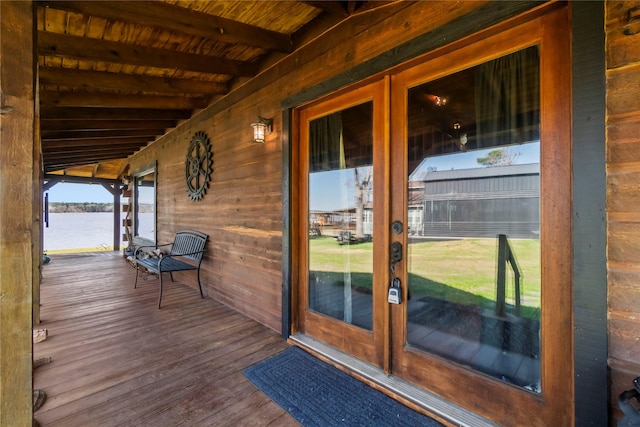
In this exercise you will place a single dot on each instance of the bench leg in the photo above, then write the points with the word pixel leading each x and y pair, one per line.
pixel 160 295
pixel 199 285
pixel 135 284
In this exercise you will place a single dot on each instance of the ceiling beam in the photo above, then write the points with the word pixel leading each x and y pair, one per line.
pixel 75 113
pixel 61 165
pixel 95 142
pixel 96 99
pixel 79 179
pixel 80 125
pixel 331 7
pixel 78 157
pixel 86 159
pixel 73 78
pixel 371 5
pixel 66 46
pixel 53 167
pixel 117 151
pixel 70 135
pixel 67 160
pixel 179 19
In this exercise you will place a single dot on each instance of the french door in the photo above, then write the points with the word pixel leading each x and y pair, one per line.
pixel 435 224
pixel 343 188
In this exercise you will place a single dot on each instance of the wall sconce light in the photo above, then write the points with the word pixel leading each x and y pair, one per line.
pixel 261 128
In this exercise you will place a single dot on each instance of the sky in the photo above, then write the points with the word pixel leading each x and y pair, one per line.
pixel 527 153
pixel 79 193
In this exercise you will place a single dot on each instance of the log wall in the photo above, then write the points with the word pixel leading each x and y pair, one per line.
pixel 623 198
pixel 242 209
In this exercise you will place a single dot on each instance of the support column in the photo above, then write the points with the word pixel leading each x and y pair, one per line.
pixel 18 230
pixel 116 192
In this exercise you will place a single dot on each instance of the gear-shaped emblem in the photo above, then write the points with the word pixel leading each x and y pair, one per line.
pixel 198 166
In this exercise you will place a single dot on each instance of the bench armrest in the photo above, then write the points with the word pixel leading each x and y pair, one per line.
pixel 164 258
pixel 185 254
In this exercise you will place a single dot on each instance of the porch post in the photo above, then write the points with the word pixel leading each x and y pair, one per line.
pixel 19 232
pixel 116 191
pixel 116 218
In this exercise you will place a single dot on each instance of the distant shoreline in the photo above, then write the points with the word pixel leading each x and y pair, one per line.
pixel 63 207
pixel 89 207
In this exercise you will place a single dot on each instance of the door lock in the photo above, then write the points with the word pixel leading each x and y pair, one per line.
pixel 395 290
pixel 396 252
pixel 395 293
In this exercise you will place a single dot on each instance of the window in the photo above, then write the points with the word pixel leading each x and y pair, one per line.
pixel 144 206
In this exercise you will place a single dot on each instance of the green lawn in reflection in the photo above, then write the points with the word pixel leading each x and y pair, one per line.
pixel 458 270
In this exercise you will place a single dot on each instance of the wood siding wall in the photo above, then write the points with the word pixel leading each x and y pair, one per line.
pixel 242 209
pixel 623 198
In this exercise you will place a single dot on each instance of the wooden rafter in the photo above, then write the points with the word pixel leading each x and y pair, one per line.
pixel 181 20
pixel 93 151
pixel 84 48
pixel 332 7
pixel 84 125
pixel 344 9
pixel 73 135
pixel 71 113
pixel 69 160
pixel 96 99
pixel 127 82
pixel 93 142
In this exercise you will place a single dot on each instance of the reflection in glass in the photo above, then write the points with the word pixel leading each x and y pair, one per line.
pixel 145 205
pixel 474 218
pixel 340 215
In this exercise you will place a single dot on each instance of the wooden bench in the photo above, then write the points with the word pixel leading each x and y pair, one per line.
pixel 185 254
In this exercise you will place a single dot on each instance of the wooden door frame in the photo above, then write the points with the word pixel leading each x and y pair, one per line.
pixel 364 344
pixel 460 384
pixel 588 186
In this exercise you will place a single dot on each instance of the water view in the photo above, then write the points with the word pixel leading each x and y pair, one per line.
pixel 79 230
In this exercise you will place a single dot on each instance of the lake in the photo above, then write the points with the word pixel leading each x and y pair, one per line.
pixel 82 230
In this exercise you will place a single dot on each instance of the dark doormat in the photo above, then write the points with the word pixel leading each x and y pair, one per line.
pixel 317 394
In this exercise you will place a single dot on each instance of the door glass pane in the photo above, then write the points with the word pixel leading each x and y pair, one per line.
pixel 474 218
pixel 341 215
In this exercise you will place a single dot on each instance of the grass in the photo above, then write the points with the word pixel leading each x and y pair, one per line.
pixel 461 271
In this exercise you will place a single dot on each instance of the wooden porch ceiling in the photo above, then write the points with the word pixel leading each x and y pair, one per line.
pixel 116 75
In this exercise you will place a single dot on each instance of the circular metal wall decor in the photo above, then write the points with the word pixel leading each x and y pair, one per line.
pixel 198 166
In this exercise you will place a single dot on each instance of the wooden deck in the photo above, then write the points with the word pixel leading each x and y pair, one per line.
pixel 119 361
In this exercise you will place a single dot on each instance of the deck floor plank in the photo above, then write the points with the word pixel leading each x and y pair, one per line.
pixel 118 360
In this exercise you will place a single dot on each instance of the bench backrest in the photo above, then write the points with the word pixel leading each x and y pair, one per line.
pixel 189 241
